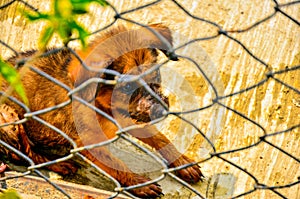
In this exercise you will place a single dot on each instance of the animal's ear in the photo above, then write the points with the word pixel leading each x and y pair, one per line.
pixel 156 42
pixel 95 61
pixel 163 30
pixel 79 74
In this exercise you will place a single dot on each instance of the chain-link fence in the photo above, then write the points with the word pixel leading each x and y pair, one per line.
pixel 218 100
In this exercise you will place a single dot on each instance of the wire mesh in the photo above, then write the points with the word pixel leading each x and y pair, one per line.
pixel 271 75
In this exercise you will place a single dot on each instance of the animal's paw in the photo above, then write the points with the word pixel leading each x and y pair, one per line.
pixel 190 174
pixel 149 191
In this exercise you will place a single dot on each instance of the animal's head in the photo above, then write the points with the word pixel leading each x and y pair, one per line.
pixel 131 53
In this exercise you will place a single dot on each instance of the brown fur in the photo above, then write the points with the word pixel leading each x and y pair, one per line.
pixel 42 144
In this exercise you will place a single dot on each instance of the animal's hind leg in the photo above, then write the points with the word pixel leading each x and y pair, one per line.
pixel 9 134
pixel 15 136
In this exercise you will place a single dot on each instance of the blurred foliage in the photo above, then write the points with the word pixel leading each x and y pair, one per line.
pixel 12 76
pixel 10 194
pixel 63 20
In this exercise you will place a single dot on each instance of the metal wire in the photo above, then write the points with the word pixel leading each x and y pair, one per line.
pixel 121 134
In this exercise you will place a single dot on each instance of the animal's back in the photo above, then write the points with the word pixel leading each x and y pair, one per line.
pixel 43 93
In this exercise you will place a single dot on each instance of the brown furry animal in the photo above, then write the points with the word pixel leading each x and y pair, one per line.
pixel 130 52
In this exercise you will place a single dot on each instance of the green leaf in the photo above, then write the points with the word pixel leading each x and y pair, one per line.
pixel 80 1
pixel 64 30
pixel 63 8
pixel 83 34
pixel 10 194
pixel 12 77
pixel 101 2
pixel 80 7
pixel 79 11
pixel 33 16
pixel 46 36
